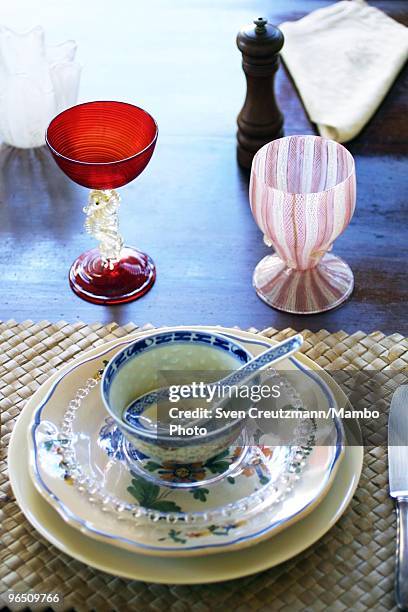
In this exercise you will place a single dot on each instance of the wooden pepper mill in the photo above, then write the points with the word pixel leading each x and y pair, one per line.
pixel 260 119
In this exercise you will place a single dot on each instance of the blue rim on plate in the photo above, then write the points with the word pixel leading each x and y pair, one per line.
pixel 69 516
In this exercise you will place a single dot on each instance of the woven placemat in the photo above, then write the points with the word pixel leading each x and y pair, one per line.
pixel 350 568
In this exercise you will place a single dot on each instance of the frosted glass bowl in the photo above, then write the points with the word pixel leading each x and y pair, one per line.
pixel 37 81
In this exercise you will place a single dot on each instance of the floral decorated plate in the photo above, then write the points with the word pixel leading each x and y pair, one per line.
pixel 106 501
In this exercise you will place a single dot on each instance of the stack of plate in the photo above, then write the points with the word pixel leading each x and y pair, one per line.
pixel 72 480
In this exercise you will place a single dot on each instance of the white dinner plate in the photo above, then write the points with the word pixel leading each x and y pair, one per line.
pixel 195 570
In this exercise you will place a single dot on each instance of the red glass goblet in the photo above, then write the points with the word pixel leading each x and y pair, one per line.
pixel 103 146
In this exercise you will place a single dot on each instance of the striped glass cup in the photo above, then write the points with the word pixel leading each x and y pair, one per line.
pixel 302 194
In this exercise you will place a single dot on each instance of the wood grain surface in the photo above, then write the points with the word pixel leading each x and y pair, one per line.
pixel 189 210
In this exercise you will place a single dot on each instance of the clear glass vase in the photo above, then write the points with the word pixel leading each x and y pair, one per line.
pixel 37 81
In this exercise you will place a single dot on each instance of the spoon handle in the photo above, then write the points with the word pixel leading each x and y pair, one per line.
pixel 272 355
pixel 244 374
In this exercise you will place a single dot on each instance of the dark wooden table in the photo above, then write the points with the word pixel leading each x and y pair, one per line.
pixel 189 210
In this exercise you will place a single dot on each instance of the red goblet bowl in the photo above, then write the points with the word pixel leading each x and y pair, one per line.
pixel 104 145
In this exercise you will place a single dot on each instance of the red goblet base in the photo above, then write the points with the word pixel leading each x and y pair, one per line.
pixel 130 278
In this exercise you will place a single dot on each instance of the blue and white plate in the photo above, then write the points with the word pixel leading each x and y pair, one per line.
pixel 78 463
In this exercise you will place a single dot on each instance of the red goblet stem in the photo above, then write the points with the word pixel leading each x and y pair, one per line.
pixel 102 222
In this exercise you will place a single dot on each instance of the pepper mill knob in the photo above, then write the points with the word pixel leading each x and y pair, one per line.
pixel 260 25
pixel 260 119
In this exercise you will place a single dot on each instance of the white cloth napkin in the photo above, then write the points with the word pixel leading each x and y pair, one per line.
pixel 343 59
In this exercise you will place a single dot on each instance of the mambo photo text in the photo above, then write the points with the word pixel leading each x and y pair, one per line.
pixel 255 393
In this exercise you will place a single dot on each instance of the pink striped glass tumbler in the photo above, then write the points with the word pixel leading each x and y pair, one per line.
pixel 302 194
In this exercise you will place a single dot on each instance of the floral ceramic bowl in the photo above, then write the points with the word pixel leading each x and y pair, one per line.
pixel 160 360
